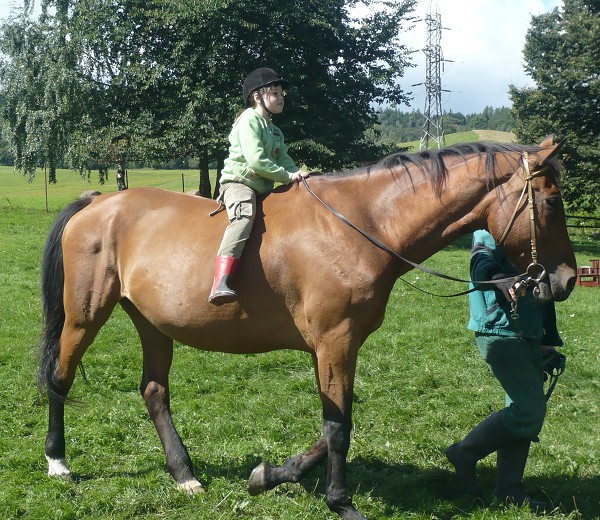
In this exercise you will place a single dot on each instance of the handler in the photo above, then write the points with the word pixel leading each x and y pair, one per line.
pixel 258 157
pixel 515 348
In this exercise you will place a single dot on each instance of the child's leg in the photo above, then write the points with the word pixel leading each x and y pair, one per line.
pixel 240 203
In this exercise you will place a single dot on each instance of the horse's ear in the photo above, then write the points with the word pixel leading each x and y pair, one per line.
pixel 549 150
pixel 548 141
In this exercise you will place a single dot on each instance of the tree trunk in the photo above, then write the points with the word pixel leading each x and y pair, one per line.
pixel 52 174
pixel 220 164
pixel 121 171
pixel 204 187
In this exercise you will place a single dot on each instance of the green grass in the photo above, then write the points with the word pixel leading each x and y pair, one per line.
pixel 17 192
pixel 420 386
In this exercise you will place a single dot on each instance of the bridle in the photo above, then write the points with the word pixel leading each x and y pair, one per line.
pixel 535 272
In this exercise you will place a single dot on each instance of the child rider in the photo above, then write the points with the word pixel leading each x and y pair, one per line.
pixel 257 159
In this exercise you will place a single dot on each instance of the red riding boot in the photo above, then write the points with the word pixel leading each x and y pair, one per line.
pixel 220 293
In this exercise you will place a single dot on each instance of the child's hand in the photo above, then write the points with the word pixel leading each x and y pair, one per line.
pixel 299 175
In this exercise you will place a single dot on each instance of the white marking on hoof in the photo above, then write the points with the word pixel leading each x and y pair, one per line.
pixel 256 482
pixel 57 467
pixel 191 487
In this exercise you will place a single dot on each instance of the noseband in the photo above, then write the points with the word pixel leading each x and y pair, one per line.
pixel 532 276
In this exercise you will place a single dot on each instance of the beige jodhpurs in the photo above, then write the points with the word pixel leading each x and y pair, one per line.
pixel 240 203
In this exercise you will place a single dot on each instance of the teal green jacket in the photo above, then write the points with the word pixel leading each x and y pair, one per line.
pixel 490 312
pixel 258 156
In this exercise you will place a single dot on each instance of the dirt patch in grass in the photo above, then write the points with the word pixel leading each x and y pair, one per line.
pixel 496 136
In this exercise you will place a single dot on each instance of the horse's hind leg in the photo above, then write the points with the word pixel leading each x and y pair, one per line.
pixel 158 356
pixel 74 341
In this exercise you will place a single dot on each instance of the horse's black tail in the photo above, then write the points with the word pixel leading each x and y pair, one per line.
pixel 53 311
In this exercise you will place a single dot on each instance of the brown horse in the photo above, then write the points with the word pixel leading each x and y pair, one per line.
pixel 306 281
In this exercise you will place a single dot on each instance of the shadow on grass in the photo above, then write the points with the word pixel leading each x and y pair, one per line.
pixel 589 246
pixel 406 488
pixel 437 492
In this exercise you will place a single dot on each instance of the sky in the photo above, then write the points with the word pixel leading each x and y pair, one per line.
pixel 484 40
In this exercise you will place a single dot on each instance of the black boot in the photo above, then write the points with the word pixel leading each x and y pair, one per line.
pixel 510 467
pixel 488 436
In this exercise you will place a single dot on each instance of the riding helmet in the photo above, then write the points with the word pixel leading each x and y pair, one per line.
pixel 259 78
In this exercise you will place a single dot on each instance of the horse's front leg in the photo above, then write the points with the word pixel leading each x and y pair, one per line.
pixel 266 476
pixel 336 368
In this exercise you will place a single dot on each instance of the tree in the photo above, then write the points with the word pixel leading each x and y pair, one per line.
pixel 561 55
pixel 337 67
pixel 38 90
pixel 155 79
pixel 89 84
pixel 129 91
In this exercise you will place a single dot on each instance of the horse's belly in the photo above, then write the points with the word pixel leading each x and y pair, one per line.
pixel 237 328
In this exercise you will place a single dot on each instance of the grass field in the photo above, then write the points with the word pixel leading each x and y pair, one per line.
pixel 17 192
pixel 420 386
pixel 466 137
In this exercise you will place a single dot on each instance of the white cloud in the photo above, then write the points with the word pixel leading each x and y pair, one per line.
pixel 484 39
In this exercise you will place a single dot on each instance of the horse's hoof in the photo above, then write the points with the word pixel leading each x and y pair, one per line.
pixel 58 468
pixel 191 487
pixel 257 483
pixel 351 513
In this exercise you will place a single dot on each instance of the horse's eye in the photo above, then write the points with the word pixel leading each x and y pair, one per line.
pixel 553 204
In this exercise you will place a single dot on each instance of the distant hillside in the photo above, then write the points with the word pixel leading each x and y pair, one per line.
pixel 496 136
pixel 467 137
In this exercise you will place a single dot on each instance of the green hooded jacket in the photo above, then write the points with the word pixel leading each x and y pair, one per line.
pixel 258 156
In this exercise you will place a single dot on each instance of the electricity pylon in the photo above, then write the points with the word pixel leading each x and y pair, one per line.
pixel 433 128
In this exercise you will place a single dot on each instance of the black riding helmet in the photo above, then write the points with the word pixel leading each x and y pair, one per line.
pixel 259 78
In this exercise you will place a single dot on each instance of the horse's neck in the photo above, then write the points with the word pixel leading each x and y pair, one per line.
pixel 418 222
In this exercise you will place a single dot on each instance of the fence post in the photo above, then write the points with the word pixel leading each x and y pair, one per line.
pixel 46 185
pixel 182 184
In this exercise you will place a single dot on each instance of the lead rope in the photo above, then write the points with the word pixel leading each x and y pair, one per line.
pixel 391 252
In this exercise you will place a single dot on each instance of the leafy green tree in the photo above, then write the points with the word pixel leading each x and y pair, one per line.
pixel 39 90
pixel 88 82
pixel 454 122
pixel 337 67
pixel 561 55
pixel 151 80
pixel 123 48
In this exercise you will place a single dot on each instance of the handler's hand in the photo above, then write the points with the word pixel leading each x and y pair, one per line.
pixel 516 290
pixel 507 288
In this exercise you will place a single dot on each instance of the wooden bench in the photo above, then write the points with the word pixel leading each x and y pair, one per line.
pixel 588 276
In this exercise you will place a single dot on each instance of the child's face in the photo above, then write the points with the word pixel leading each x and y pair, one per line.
pixel 273 97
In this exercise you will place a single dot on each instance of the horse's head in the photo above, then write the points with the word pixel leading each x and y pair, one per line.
pixel 528 220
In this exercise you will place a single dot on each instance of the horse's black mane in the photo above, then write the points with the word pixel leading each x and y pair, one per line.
pixel 431 163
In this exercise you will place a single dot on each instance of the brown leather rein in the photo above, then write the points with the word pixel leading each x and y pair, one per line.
pixel 532 276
